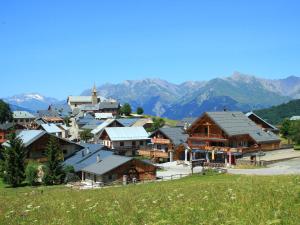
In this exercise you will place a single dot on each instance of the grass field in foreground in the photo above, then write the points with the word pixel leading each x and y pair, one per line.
pixel 218 199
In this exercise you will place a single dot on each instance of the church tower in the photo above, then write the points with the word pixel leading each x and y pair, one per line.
pixel 94 95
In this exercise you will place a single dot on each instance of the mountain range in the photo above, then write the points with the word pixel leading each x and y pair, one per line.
pixel 189 99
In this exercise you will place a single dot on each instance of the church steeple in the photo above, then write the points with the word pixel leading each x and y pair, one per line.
pixel 94 95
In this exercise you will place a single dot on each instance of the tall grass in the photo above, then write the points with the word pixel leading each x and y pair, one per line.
pixel 219 199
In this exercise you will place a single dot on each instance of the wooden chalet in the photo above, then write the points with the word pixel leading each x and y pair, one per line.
pixel 223 136
pixel 167 144
pixel 35 142
pixel 116 168
pixel 8 128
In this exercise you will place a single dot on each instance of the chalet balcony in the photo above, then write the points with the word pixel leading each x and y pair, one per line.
pixel 153 153
pixel 160 141
pixel 228 149
pixel 204 136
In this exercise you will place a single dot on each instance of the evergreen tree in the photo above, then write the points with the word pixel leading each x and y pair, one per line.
pixel 14 161
pixel 5 112
pixel 126 109
pixel 86 135
pixel 140 110
pixel 53 171
pixel 285 128
pixel 294 132
pixel 157 123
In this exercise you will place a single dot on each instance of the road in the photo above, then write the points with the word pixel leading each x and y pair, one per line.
pixel 291 166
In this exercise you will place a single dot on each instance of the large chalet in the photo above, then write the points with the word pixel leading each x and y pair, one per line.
pixel 225 135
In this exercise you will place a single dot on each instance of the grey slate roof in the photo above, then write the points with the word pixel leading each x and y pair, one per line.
pixel 237 123
pixel 48 113
pixel 109 105
pixel 126 133
pixel 87 156
pixel 107 164
pixel 175 134
pixel 22 115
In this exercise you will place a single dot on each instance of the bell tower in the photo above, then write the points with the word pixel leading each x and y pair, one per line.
pixel 94 95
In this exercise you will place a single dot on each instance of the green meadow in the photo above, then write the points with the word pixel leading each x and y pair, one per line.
pixel 209 199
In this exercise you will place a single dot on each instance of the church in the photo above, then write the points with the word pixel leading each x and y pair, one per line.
pixel 93 103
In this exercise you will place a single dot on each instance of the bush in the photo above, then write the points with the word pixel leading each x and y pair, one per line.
pixel 31 173
pixel 69 169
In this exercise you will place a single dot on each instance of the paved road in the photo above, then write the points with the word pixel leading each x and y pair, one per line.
pixel 291 166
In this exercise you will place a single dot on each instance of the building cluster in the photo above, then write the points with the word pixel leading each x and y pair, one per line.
pixel 119 147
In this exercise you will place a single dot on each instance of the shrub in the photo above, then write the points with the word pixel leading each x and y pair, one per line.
pixel 31 173
pixel 71 177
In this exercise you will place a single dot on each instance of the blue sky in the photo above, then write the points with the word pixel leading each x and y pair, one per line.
pixel 61 47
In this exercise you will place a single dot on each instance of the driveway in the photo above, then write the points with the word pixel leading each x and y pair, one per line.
pixel 291 166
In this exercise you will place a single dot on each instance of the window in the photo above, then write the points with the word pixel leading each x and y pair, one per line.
pixel 133 143
pixel 121 143
pixel 141 143
pixel 65 151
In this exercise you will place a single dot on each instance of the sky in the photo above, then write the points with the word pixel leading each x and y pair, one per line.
pixel 60 48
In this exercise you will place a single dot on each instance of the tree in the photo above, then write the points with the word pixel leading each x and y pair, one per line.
pixel 31 173
pixel 53 171
pixel 126 109
pixel 285 128
pixel 5 112
pixel 67 120
pixel 14 161
pixel 140 110
pixel 294 132
pixel 86 135
pixel 157 123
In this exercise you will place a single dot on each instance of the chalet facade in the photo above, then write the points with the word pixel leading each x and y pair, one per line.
pixel 167 144
pixel 223 136
pixel 35 142
pixel 118 168
pixel 125 140
pixel 8 128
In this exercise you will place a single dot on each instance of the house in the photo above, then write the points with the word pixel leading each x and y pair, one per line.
pixel 223 136
pixel 7 128
pixel 36 141
pixel 167 144
pixel 262 123
pixel 102 107
pixel 107 123
pixel 24 118
pixel 117 168
pixel 64 130
pixel 87 156
pixel 125 140
pixel 51 128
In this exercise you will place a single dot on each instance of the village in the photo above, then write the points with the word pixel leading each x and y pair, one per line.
pixel 105 145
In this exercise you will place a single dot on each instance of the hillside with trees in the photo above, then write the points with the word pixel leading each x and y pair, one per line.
pixel 277 114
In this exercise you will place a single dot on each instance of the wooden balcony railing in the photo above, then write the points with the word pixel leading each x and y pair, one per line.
pixel 206 136
pixel 228 149
pixel 154 153
pixel 160 141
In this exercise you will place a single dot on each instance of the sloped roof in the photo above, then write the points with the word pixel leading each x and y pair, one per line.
pixel 295 118
pixel 126 133
pixel 102 126
pixel 51 128
pixel 29 136
pixel 127 122
pixel 22 115
pixel 87 156
pixel 107 164
pixel 108 105
pixel 175 134
pixel 80 99
pixel 237 123
pixel 6 126
pixel 270 125
pixel 48 113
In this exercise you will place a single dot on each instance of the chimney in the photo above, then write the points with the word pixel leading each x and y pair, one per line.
pixel 98 158
pixel 87 150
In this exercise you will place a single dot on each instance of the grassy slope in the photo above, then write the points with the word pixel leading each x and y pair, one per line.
pixel 220 199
